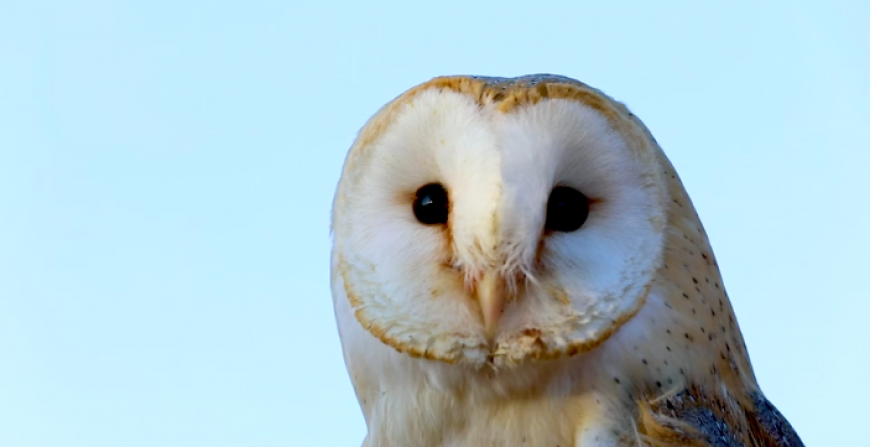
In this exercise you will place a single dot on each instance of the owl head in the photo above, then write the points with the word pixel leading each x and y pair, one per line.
pixel 491 221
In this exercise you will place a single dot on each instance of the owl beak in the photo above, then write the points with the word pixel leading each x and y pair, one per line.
pixel 491 296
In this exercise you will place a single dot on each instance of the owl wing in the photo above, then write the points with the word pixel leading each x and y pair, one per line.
pixel 771 426
pixel 694 418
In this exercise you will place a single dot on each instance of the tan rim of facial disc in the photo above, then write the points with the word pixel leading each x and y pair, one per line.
pixel 508 95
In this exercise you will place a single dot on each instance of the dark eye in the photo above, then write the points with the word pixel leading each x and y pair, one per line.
pixel 430 205
pixel 567 209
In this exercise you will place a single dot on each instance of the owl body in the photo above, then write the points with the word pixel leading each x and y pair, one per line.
pixel 516 263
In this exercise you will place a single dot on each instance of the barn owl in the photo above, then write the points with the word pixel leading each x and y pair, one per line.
pixel 516 263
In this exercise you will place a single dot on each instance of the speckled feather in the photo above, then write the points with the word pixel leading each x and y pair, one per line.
pixel 668 367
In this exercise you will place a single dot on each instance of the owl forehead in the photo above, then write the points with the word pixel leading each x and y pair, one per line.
pixel 457 122
pixel 447 132
pixel 504 95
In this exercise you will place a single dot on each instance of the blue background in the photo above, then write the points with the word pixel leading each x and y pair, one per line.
pixel 167 170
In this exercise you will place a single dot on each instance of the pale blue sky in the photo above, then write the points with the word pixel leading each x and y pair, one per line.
pixel 167 170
